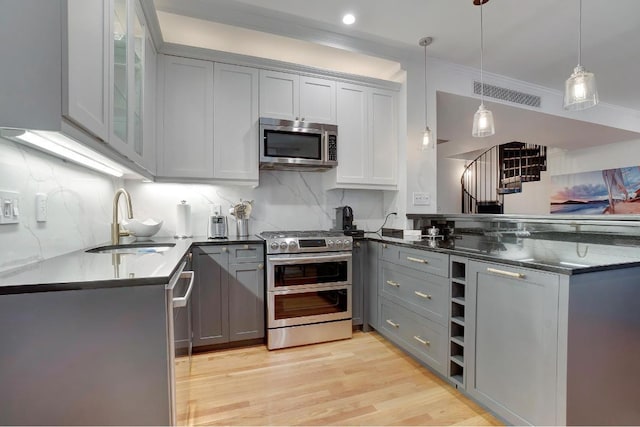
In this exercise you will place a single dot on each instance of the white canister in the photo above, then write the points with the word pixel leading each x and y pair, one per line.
pixel 183 219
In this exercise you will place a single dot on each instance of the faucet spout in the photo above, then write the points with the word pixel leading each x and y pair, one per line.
pixel 115 225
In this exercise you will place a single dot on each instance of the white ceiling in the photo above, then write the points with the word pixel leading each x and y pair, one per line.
pixel 535 41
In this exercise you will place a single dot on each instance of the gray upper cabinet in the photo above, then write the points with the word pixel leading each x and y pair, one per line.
pixel 513 315
pixel 185 122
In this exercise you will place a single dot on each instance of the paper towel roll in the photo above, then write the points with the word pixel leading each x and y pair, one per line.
pixel 183 219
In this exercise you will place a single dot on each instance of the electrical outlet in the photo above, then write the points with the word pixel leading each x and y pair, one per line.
pixel 9 207
pixel 41 207
pixel 421 199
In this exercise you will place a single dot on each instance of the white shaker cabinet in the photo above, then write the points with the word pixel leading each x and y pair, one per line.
pixel 127 85
pixel 293 97
pixel 185 120
pixel 513 314
pixel 235 116
pixel 87 103
pixel 149 161
pixel 367 138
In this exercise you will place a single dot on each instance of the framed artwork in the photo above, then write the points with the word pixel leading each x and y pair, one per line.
pixel 603 192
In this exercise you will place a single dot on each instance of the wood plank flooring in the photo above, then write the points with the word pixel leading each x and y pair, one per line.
pixel 362 381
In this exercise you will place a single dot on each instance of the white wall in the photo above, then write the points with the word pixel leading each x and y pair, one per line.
pixel 79 206
pixel 284 201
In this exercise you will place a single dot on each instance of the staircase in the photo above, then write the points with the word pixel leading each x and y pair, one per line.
pixel 500 170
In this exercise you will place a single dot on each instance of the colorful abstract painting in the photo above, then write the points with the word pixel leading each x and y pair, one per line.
pixel 609 191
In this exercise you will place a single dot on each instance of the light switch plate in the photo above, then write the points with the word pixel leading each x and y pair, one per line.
pixel 421 199
pixel 9 207
pixel 41 207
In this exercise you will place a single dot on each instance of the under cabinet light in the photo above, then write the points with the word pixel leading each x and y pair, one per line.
pixel 61 146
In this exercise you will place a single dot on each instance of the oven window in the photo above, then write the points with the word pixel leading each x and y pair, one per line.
pixel 307 274
pixel 296 145
pixel 310 303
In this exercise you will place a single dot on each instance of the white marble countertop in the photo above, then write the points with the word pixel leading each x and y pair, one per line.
pixel 83 270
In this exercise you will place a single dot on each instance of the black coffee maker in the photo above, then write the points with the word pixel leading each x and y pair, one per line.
pixel 344 218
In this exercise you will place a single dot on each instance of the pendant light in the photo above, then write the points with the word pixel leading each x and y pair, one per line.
pixel 580 90
pixel 483 119
pixel 427 137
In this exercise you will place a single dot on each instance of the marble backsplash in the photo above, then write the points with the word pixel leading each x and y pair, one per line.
pixel 285 200
pixel 78 199
pixel 80 204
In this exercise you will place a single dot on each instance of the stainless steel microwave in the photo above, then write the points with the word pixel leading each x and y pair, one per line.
pixel 297 145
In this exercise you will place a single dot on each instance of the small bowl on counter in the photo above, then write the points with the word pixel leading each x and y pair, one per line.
pixel 142 229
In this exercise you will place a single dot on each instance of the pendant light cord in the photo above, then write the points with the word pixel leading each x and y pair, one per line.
pixel 482 55
pixel 580 34
pixel 425 87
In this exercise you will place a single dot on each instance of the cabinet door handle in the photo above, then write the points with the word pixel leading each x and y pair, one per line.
pixel 392 283
pixel 224 249
pixel 260 266
pixel 420 260
pixel 357 245
pixel 506 273
pixel 384 245
pixel 422 295
pixel 392 323
pixel 421 341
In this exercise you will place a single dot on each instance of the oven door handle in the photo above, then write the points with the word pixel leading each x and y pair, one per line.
pixel 309 259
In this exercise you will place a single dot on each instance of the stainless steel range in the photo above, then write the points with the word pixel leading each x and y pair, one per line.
pixel 308 287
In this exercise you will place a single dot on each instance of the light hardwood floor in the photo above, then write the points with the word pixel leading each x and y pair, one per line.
pixel 362 381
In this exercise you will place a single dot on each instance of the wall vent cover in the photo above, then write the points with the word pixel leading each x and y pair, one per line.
pixel 509 95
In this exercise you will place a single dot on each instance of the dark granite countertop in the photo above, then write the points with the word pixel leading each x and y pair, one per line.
pixel 570 257
pixel 82 270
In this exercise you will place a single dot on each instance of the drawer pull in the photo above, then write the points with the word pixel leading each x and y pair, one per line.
pixel 421 341
pixel 384 245
pixel 224 249
pixel 392 323
pixel 392 283
pixel 422 295
pixel 260 266
pixel 506 273
pixel 420 260
pixel 245 247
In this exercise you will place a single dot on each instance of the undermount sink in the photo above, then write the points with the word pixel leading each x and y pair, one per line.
pixel 133 248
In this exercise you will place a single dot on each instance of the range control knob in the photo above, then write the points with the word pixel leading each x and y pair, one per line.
pixel 274 245
pixel 283 245
pixel 293 245
pixel 347 243
pixel 338 243
pixel 330 243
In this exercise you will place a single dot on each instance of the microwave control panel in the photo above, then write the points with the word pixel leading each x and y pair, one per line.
pixel 332 149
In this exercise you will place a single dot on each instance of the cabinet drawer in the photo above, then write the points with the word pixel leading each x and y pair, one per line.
pixel 246 253
pixel 430 262
pixel 212 249
pixel 423 293
pixel 421 337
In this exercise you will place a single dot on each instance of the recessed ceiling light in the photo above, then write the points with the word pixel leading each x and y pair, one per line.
pixel 348 19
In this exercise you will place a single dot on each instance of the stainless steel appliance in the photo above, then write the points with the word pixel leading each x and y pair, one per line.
pixel 308 287
pixel 180 336
pixel 344 218
pixel 217 227
pixel 296 145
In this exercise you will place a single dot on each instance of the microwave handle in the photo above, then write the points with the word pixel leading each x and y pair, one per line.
pixel 325 145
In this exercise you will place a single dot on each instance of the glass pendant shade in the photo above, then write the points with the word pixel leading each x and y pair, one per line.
pixel 427 139
pixel 580 90
pixel 483 123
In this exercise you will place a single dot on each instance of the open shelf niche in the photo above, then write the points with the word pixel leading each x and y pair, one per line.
pixel 457 292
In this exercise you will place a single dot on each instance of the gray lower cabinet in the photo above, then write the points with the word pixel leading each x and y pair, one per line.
pixel 413 302
pixel 228 294
pixel 358 281
pixel 370 286
pixel 513 314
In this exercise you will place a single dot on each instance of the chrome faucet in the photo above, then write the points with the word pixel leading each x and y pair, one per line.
pixel 116 233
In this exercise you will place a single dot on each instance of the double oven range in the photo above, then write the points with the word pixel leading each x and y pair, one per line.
pixel 308 287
